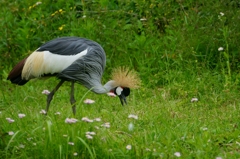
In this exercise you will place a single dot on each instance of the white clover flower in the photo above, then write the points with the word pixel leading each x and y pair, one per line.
pixel 10 120
pixel 204 129
pixel 220 49
pixel 89 136
pixel 129 147
pixel 221 13
pixel 90 133
pixel 111 94
pixel 71 143
pixel 87 120
pixel 57 113
pixel 75 154
pixel 46 92
pixel 89 101
pixel 10 133
pixel 106 125
pixel 70 120
pixel 65 135
pixel 147 149
pixel 43 112
pixel 143 19
pixel 130 127
pixel 194 99
pixel 21 146
pixel 97 119
pixel 38 3
pixel 133 116
pixel 21 115
pixel 177 154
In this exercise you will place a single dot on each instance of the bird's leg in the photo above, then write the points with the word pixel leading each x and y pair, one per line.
pixel 72 99
pixel 50 95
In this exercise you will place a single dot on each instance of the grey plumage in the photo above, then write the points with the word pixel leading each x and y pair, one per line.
pixel 86 70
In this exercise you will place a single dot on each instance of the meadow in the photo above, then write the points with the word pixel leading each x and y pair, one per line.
pixel 185 52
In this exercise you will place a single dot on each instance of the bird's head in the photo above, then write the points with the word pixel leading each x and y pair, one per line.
pixel 124 79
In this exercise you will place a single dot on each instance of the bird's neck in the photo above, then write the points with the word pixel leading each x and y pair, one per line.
pixel 100 89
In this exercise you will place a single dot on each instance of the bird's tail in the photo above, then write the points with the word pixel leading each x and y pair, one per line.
pixel 15 76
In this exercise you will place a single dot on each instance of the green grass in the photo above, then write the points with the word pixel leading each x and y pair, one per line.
pixel 168 122
pixel 173 45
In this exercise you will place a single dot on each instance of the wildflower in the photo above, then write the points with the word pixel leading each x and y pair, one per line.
pixel 133 116
pixel 87 120
pixel 96 127
pixel 204 129
pixel 47 92
pixel 111 94
pixel 220 49
pixel 65 135
pixel 90 133
pixel 21 115
pixel 22 146
pixel 60 10
pixel 89 101
pixel 43 112
pixel 70 120
pixel 130 127
pixel 34 144
pixel 10 120
pixel 218 157
pixel 60 28
pixel 75 154
pixel 29 139
pixel 143 19
pixel 128 147
pixel 97 119
pixel 221 13
pixel 178 154
pixel 147 149
pixel 84 16
pixel 106 125
pixel 194 100
pixel 38 3
pixel 57 113
pixel 89 136
pixel 70 143
pixel 10 133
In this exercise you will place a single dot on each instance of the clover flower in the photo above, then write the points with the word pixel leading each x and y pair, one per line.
pixel 89 101
pixel 70 120
pixel 43 112
pixel 194 99
pixel 75 154
pixel 10 133
pixel 220 49
pixel 106 125
pixel 87 120
pixel 133 116
pixel 177 154
pixel 21 115
pixel 71 143
pixel 10 120
pixel 130 127
pixel 129 147
pixel 111 94
pixel 47 92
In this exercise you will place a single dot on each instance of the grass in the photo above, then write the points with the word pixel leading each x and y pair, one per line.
pixel 168 122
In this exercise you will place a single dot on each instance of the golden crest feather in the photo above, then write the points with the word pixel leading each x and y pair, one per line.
pixel 125 77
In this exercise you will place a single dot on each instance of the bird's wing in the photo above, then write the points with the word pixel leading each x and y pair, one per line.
pixel 66 45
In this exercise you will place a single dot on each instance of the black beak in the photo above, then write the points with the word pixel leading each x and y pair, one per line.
pixel 123 99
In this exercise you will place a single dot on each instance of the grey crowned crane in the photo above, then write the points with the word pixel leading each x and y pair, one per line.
pixel 74 59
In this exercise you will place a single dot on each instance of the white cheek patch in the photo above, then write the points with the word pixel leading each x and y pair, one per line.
pixel 119 91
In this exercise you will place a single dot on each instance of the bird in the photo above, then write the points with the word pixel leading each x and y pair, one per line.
pixel 76 60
